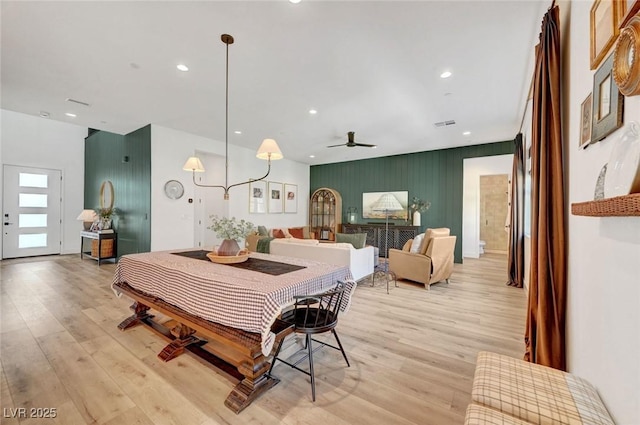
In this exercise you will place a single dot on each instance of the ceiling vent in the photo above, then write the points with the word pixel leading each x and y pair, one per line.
pixel 76 101
pixel 445 123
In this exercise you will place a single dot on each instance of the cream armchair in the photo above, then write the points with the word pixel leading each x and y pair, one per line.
pixel 433 261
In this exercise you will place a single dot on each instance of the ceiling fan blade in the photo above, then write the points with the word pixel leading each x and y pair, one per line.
pixel 335 146
pixel 365 145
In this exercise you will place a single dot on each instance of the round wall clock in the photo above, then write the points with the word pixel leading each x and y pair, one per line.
pixel 173 189
pixel 626 63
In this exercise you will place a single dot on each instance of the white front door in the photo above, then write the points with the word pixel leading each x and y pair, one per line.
pixel 31 212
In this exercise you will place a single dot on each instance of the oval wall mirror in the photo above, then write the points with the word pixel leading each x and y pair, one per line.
pixel 106 195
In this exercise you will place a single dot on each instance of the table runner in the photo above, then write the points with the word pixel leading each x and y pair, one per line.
pixel 274 268
pixel 239 298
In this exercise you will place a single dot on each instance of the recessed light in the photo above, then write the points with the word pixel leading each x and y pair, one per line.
pixel 238 132
pixel 44 114
pixel 466 133
pixel 312 156
pixel 445 74
pixel 313 111
pixel 374 147
pixel 182 67
pixel 69 114
pixel 295 1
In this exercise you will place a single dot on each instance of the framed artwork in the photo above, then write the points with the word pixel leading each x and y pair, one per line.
pixel 290 198
pixel 604 20
pixel 585 122
pixel 608 102
pixel 369 199
pixel 275 196
pixel 628 9
pixel 258 197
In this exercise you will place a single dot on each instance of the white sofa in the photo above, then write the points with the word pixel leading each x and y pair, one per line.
pixel 360 261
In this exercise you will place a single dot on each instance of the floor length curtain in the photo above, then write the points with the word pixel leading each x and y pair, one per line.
pixel 545 331
pixel 516 220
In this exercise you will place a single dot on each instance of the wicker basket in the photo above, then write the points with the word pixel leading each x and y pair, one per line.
pixel 106 248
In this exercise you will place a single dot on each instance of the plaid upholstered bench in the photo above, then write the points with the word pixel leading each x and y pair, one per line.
pixel 512 391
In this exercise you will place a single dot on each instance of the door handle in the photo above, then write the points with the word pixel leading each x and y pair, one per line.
pixel 6 223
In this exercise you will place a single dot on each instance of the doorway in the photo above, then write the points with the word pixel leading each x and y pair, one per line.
pixel 31 211
pixel 209 201
pixel 494 202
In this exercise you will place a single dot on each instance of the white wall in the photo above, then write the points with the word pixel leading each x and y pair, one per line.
pixel 32 141
pixel 172 224
pixel 473 169
pixel 603 321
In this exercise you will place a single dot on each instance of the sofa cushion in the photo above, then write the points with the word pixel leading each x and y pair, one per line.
pixel 262 231
pixel 536 393
pixel 297 232
pixel 358 240
pixel 429 235
pixel 279 233
pixel 416 244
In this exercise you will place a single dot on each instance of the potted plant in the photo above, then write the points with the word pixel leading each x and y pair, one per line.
pixel 104 217
pixel 231 231
pixel 418 206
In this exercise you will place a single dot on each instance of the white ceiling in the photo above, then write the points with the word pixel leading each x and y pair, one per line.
pixel 369 67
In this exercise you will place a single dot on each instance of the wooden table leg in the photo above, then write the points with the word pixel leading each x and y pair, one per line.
pixel 141 312
pixel 256 381
pixel 184 337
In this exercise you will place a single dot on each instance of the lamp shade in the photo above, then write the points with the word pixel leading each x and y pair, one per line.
pixel 193 164
pixel 387 202
pixel 269 146
pixel 87 215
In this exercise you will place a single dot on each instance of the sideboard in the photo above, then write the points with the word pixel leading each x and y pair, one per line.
pixel 397 237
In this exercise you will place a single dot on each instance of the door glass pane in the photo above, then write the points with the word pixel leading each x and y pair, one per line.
pixel 32 241
pixel 33 180
pixel 32 200
pixel 32 220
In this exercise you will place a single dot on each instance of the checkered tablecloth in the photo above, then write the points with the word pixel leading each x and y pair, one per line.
pixel 243 299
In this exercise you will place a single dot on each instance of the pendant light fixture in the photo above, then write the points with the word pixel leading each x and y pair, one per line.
pixel 268 150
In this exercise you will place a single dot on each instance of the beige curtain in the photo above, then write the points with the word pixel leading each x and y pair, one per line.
pixel 516 217
pixel 545 332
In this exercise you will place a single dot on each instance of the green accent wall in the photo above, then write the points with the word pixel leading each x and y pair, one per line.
pixel 126 161
pixel 434 176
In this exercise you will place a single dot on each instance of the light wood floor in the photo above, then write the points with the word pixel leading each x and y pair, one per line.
pixel 412 353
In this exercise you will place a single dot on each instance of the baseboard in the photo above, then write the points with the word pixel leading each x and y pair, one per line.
pixel 495 251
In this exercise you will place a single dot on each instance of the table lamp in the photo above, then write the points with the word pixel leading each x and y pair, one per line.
pixel 88 217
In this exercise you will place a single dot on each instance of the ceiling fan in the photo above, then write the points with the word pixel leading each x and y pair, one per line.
pixel 351 143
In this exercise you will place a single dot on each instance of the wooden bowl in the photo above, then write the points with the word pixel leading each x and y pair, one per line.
pixel 243 255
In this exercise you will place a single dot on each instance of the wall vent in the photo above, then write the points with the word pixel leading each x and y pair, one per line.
pixel 77 101
pixel 445 123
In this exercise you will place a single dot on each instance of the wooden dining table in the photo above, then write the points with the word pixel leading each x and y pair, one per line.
pixel 226 314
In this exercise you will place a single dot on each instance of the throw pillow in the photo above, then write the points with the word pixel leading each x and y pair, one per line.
pixel 358 240
pixel 279 233
pixel 262 231
pixel 296 232
pixel 416 244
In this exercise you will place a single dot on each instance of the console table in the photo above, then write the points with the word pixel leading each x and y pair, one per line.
pixel 100 237
pixel 398 234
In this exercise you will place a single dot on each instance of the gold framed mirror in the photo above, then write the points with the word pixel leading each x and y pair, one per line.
pixel 626 65
pixel 106 195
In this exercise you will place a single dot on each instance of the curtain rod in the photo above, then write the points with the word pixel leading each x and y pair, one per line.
pixel 530 95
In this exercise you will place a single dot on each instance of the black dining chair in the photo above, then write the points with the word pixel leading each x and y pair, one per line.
pixel 313 314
